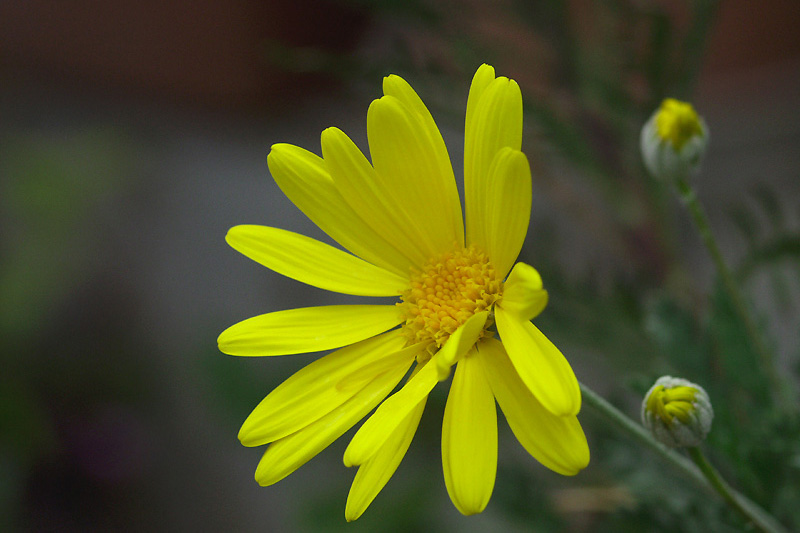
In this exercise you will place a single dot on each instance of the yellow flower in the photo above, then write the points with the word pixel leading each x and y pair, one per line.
pixel 401 219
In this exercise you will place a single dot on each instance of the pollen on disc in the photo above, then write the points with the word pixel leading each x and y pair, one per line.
pixel 447 292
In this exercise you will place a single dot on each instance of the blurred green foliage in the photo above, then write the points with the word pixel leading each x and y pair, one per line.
pixel 65 356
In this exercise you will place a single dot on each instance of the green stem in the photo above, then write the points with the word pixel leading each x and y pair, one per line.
pixel 700 476
pixel 752 513
pixel 640 434
pixel 689 198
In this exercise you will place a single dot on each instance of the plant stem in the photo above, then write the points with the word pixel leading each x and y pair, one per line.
pixel 689 198
pixel 706 479
pixel 752 513
pixel 639 433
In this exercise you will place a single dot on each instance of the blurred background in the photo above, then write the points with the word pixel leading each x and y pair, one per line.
pixel 134 134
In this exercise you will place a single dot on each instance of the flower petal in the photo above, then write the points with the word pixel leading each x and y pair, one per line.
pixel 460 343
pixel 377 429
pixel 304 178
pixel 308 329
pixel 313 391
pixel 483 77
pixel 523 294
pixel 313 262
pixel 558 442
pixel 507 208
pixel 542 367
pixel 469 438
pixel 358 183
pixel 411 159
pixel 358 377
pixel 373 475
pixel 494 121
pixel 286 455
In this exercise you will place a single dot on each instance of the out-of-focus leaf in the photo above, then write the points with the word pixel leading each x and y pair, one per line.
pixel 656 64
pixel 768 201
pixel 735 354
pixel 694 44
pixel 783 247
pixel 676 332
pixel 745 221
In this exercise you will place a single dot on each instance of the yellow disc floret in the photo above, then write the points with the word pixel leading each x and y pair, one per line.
pixel 677 122
pixel 447 292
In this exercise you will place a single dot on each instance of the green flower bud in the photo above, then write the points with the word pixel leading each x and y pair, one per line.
pixel 677 412
pixel 674 140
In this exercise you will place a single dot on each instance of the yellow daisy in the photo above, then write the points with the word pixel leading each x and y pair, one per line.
pixel 400 217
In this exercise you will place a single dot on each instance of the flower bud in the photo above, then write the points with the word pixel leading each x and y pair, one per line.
pixel 674 140
pixel 677 412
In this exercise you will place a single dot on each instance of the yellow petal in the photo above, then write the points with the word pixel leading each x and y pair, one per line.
pixel 308 329
pixel 373 475
pixel 460 343
pixel 542 367
pixel 313 262
pixel 483 77
pixel 523 294
pixel 507 209
pixel 410 173
pixel 359 185
pixel 399 88
pixel 411 157
pixel 558 442
pixel 304 178
pixel 377 429
pixel 473 187
pixel 313 391
pixel 494 121
pixel 286 455
pixel 359 376
pixel 469 438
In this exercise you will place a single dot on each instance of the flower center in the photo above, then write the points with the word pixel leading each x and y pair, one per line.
pixel 677 122
pixel 446 293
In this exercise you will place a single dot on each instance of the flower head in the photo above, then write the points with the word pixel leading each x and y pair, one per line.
pixel 674 140
pixel 400 218
pixel 677 412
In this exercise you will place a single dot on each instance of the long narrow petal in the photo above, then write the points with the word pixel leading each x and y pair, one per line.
pixel 313 391
pixel 411 160
pixel 523 294
pixel 460 343
pixel 558 442
pixel 286 455
pixel 359 376
pixel 377 429
pixel 305 180
pixel 542 367
pixel 483 77
pixel 494 121
pixel 507 208
pixel 473 185
pixel 308 329
pixel 469 438
pixel 358 183
pixel 373 475
pixel 313 262
pixel 400 89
